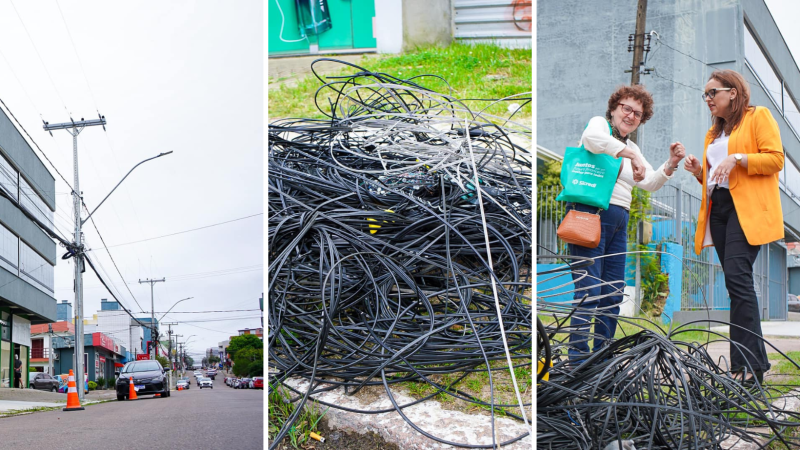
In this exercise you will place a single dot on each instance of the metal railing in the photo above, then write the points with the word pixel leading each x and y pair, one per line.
pixel 673 213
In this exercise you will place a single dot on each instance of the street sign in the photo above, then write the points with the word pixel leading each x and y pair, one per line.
pixel 142 357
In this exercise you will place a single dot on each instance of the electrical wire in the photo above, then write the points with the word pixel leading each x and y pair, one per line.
pixel 380 270
pixel 656 387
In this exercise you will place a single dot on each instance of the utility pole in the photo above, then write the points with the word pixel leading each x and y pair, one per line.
pixel 74 128
pixel 50 355
pixel 153 336
pixel 638 49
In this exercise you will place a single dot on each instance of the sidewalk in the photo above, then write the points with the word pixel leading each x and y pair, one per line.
pixel 19 399
pixel 288 71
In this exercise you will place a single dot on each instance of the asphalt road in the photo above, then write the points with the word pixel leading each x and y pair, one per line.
pixel 221 417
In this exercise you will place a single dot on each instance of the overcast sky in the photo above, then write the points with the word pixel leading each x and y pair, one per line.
pixel 185 76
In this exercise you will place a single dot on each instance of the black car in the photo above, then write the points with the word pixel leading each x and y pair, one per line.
pixel 148 378
pixel 44 382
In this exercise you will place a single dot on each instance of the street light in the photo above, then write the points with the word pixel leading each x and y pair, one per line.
pixel 76 248
pixel 170 308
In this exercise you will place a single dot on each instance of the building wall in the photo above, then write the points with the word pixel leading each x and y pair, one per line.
pixel 64 311
pixel 427 22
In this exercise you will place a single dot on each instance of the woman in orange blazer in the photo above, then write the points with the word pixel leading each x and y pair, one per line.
pixel 741 208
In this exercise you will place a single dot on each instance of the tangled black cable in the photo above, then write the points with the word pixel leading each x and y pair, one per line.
pixel 397 230
pixel 652 388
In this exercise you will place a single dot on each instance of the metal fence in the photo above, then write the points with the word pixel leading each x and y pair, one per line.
pixel 673 213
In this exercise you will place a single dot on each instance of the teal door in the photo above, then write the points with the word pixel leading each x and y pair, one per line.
pixel 351 28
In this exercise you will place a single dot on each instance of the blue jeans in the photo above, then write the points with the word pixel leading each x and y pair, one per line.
pixel 613 240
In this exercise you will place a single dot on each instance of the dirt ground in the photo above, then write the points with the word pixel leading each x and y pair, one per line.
pixel 338 440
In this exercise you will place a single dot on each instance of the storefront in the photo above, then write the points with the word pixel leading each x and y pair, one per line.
pixel 100 355
pixel 15 343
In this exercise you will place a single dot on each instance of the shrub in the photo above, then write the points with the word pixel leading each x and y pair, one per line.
pixel 101 383
pixel 92 385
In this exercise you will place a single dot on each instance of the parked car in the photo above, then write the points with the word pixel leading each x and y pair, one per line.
pixel 148 377
pixel 794 303
pixel 206 383
pixel 245 384
pixel 257 383
pixel 183 384
pixel 43 381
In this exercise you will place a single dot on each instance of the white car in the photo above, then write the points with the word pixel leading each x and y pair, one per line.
pixel 205 382
pixel 183 383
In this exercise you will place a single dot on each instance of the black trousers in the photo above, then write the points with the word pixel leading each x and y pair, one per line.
pixel 737 258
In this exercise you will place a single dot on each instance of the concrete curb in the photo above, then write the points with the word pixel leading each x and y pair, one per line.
pixel 445 424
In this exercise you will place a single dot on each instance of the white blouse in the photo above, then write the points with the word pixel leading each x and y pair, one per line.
pixel 716 153
pixel 597 139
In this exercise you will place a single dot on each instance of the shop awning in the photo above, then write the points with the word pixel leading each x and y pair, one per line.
pixel 119 365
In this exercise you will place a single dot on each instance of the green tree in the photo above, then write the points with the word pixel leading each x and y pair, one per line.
pixel 213 359
pixel 163 361
pixel 242 342
pixel 249 362
pixel 189 361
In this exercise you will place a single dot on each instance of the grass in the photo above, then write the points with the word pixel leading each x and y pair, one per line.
pixel 22 412
pixel 473 71
pixel 280 410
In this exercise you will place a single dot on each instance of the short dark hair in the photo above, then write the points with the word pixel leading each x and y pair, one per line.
pixel 637 92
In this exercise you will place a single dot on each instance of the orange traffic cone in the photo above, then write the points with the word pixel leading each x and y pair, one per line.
pixel 73 402
pixel 132 391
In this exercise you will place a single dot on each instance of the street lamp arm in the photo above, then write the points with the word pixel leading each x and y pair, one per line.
pixel 170 308
pixel 120 182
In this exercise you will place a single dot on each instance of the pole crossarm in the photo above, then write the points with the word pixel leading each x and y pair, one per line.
pixel 79 124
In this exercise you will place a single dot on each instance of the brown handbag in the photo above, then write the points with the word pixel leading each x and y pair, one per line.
pixel 580 228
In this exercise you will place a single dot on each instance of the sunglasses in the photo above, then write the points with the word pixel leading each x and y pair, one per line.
pixel 627 110
pixel 711 93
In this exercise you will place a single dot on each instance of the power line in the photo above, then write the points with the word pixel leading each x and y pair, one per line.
pixel 39 55
pixel 77 55
pixel 185 231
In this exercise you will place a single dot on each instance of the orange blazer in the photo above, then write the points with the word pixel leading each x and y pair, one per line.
pixel 754 189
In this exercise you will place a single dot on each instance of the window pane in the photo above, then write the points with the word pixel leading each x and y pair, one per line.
pixel 8 178
pixel 762 68
pixel 792 178
pixel 34 204
pixel 9 250
pixel 35 269
pixel 790 112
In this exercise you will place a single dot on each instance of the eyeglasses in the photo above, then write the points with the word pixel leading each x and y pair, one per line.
pixel 627 110
pixel 713 92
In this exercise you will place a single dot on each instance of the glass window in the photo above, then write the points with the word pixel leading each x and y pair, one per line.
pixel 9 178
pixel 791 112
pixel 792 177
pixel 5 368
pixel 762 68
pixel 9 250
pixel 34 204
pixel 35 269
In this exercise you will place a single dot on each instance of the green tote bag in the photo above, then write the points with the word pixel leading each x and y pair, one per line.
pixel 588 178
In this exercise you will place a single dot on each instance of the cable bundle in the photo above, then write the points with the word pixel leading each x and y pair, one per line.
pixel 379 270
pixel 652 387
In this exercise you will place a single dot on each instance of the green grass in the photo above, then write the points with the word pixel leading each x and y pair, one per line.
pixel 279 412
pixel 473 71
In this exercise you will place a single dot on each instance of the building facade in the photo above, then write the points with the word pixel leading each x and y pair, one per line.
pixel 101 355
pixel 42 339
pixel 27 254
pixel 582 56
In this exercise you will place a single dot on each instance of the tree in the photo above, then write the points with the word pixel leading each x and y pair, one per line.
pixel 242 342
pixel 188 360
pixel 213 359
pixel 249 362
pixel 163 361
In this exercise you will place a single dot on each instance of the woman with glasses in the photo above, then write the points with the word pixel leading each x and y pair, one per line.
pixel 628 107
pixel 741 208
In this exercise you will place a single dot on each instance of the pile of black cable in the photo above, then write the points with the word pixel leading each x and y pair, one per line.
pixel 652 389
pixel 379 271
